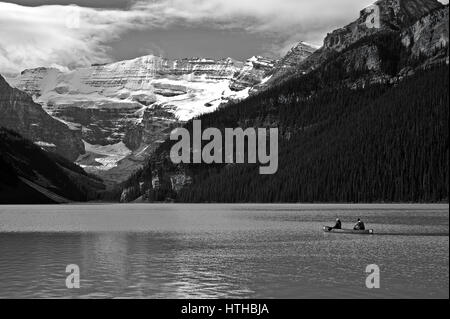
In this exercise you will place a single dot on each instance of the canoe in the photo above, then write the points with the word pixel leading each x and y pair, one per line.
pixel 329 229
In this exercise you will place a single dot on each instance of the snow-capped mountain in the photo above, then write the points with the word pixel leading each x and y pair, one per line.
pixel 125 108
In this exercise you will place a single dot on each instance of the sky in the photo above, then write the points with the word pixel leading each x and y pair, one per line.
pixel 73 33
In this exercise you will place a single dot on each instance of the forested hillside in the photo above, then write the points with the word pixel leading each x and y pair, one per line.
pixel 30 175
pixel 383 143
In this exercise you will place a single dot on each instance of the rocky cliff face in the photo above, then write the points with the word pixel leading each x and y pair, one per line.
pixel 255 71
pixel 18 112
pixel 422 26
pixel 429 34
pixel 381 16
pixel 292 60
pixel 287 65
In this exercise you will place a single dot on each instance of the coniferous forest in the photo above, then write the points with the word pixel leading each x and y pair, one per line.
pixel 21 159
pixel 383 143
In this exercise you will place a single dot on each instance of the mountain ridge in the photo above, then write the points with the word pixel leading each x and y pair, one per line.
pixel 394 16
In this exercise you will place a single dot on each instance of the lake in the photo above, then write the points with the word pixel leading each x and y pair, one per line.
pixel 223 251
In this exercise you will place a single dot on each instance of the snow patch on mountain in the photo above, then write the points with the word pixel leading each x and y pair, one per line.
pixel 102 157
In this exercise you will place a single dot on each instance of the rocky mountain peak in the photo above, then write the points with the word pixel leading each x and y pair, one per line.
pixel 382 15
pixel 296 54
pixel 303 47
pixel 288 64
pixel 254 71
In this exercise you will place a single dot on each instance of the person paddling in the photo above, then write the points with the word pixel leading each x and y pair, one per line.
pixel 338 224
pixel 359 225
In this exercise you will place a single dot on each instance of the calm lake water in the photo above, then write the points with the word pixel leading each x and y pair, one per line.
pixel 223 251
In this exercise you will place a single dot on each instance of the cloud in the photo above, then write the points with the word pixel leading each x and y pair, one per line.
pixel 60 36
pixel 73 36
pixel 287 21
pixel 254 15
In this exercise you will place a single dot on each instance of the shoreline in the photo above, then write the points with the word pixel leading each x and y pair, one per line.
pixel 335 205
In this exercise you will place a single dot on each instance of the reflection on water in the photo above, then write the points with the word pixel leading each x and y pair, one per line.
pixel 222 251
